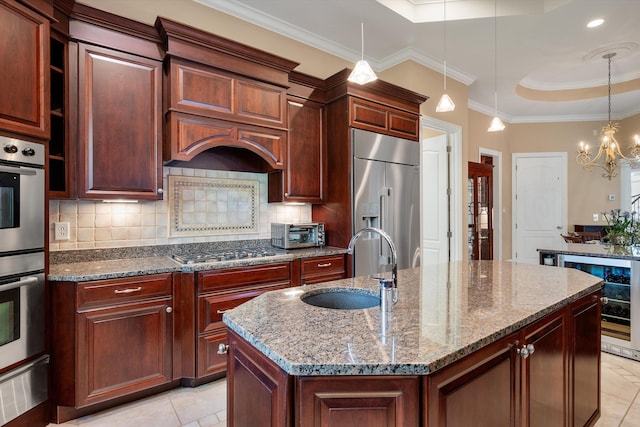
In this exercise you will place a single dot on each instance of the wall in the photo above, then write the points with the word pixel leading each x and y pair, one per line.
pixel 587 191
pixel 94 224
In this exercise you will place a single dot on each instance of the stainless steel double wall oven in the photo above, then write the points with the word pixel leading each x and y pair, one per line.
pixel 23 364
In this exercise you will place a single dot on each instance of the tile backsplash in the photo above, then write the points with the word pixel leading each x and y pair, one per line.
pixel 223 206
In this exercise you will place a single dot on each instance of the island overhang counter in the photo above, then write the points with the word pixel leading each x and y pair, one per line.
pixel 526 332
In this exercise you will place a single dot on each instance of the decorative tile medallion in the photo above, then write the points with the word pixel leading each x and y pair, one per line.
pixel 212 206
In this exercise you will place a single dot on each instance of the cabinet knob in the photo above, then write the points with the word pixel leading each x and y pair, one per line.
pixel 604 300
pixel 160 191
pixel 526 350
pixel 223 348
pixel 169 309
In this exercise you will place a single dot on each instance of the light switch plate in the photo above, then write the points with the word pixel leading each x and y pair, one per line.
pixel 612 197
pixel 595 217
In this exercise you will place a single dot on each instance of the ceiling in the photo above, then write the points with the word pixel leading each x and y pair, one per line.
pixel 549 64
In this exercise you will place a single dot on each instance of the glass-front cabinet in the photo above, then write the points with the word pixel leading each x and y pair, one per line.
pixel 621 303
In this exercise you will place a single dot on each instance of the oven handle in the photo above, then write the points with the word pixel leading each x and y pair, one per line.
pixel 22 282
pixel 20 171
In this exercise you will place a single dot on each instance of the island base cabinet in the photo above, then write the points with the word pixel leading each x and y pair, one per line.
pixel 357 401
pixel 480 390
pixel 585 361
pixel 258 391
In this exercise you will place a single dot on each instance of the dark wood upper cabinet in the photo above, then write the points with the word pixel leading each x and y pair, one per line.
pixel 24 67
pixel 116 97
pixel 303 177
pixel 119 124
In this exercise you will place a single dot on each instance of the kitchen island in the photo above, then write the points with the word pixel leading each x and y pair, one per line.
pixel 480 343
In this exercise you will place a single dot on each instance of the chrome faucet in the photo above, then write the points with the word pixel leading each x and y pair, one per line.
pixel 394 256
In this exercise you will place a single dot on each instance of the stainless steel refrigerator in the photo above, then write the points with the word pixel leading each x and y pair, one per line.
pixel 386 195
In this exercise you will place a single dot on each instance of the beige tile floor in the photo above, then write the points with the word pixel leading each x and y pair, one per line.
pixel 205 406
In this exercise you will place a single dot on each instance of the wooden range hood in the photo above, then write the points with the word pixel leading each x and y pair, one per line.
pixel 225 103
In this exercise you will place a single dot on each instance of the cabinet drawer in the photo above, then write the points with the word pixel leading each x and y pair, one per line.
pixel 221 280
pixel 323 265
pixel 209 361
pixel 211 307
pixel 115 291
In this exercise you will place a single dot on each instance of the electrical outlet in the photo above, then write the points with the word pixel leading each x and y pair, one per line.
pixel 61 230
pixel 595 217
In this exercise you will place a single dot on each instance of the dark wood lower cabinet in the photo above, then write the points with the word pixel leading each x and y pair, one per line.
pixel 480 390
pixel 584 366
pixel 258 391
pixel 546 374
pixel 113 339
pixel 371 401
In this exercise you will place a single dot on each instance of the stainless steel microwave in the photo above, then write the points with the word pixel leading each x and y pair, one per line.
pixel 293 236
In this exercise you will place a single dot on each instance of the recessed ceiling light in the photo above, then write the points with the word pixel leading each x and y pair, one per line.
pixel 595 23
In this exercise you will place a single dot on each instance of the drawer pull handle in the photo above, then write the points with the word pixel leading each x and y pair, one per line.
pixel 328 264
pixel 222 311
pixel 127 291
pixel 223 348
pixel 526 350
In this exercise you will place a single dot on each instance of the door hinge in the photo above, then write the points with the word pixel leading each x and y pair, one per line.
pixel 448 148
pixel 449 234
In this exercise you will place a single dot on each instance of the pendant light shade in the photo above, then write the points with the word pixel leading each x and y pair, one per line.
pixel 496 125
pixel 446 103
pixel 362 73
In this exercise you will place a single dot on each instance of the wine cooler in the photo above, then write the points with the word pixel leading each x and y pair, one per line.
pixel 621 300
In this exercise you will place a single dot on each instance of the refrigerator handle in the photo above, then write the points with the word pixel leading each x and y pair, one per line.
pixel 385 223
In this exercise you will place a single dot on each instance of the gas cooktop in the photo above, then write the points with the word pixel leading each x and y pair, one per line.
pixel 225 255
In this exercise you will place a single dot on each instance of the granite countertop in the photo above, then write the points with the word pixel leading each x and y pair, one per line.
pixel 79 266
pixel 444 312
pixel 596 250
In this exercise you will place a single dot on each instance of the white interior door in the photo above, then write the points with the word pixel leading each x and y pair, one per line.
pixel 539 203
pixel 435 205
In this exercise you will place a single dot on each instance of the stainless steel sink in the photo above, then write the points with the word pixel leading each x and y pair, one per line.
pixel 341 298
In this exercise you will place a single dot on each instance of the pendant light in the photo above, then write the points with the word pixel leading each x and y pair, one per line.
pixel 496 123
pixel 446 103
pixel 362 73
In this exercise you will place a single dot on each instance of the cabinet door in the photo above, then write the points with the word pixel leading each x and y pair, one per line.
pixel 24 67
pixel 357 401
pixel 123 349
pixel 119 124
pixel 304 171
pixel 585 360
pixel 457 395
pixel 544 375
pixel 376 117
pixel 258 391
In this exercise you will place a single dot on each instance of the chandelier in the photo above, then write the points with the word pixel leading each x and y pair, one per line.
pixel 609 150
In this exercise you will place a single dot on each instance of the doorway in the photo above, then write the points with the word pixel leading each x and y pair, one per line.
pixel 452 220
pixel 480 209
